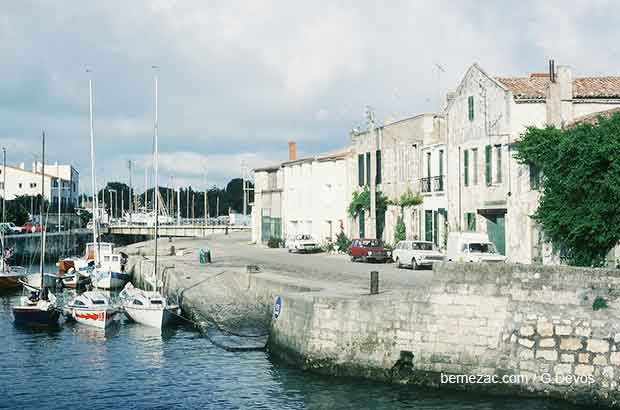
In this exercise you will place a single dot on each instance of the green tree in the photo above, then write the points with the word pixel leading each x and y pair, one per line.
pixel 579 208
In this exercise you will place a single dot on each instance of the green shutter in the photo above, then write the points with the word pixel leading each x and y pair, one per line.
pixel 360 169
pixel 436 227
pixel 440 184
pixel 378 179
pixel 487 165
pixel 470 108
pixel 428 225
pixel 368 168
pixel 466 168
pixel 470 221
pixel 498 151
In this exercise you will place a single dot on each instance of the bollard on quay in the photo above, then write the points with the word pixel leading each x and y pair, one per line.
pixel 374 282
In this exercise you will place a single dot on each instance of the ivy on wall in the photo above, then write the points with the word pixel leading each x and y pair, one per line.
pixel 578 175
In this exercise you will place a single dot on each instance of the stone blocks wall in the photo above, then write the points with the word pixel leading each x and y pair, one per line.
pixel 532 327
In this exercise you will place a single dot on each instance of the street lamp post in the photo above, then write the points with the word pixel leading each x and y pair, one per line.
pixel 3 184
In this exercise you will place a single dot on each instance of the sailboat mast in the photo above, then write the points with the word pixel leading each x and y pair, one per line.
pixel 41 207
pixel 156 166
pixel 95 206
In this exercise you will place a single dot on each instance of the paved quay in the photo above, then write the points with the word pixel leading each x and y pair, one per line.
pixel 234 251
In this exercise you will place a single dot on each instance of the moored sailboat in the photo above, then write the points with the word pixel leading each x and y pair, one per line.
pixel 150 308
pixel 91 308
pixel 39 307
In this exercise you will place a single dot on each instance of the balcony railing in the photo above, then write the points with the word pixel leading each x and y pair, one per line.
pixel 432 184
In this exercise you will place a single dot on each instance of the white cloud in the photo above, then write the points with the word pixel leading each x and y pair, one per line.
pixel 242 78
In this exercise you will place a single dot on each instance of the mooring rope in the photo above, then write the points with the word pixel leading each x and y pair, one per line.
pixel 201 328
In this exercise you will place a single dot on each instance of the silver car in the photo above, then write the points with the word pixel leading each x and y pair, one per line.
pixel 416 254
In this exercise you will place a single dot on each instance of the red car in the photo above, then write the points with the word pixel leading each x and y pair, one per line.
pixel 29 227
pixel 368 250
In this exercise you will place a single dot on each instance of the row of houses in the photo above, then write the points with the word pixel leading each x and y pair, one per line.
pixel 460 161
pixel 62 183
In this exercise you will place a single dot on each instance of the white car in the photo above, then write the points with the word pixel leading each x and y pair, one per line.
pixel 416 254
pixel 472 247
pixel 12 228
pixel 302 243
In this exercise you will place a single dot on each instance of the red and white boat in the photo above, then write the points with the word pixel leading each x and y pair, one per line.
pixel 92 309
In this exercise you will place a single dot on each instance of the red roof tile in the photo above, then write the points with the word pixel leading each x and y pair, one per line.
pixel 535 87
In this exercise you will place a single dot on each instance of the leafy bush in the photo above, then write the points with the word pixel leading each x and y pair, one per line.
pixel 328 247
pixel 274 242
pixel 576 171
pixel 599 303
pixel 400 231
pixel 342 242
pixel 410 199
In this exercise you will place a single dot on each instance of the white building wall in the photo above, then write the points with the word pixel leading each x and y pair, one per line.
pixel 315 200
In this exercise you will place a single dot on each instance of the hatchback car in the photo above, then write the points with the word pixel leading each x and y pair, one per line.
pixel 416 254
pixel 368 250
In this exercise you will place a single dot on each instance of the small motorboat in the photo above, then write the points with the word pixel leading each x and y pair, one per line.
pixel 38 308
pixel 11 276
pixel 91 308
pixel 148 308
pixel 100 265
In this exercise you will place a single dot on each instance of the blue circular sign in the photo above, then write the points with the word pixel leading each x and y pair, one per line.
pixel 277 307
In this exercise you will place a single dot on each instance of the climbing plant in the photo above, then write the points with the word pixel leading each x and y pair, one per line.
pixel 400 231
pixel 579 182
pixel 409 199
pixel 361 200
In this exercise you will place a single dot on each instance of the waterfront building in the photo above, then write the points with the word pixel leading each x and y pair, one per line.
pixel 314 198
pixel 302 195
pixel 488 190
pixel 406 157
pixel 267 209
pixel 59 179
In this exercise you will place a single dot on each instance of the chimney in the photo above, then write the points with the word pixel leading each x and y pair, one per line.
pixel 559 100
pixel 22 165
pixel 292 150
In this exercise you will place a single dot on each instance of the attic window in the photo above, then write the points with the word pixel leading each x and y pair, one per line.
pixel 470 107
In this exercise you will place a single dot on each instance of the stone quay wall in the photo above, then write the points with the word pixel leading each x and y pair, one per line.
pixel 511 329
pixel 27 247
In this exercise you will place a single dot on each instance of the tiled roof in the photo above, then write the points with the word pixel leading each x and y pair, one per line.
pixel 592 118
pixel 535 87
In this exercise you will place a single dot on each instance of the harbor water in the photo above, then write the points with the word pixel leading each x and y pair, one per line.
pixel 134 367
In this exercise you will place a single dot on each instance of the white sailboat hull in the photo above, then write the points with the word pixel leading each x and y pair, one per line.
pixel 153 317
pixel 95 318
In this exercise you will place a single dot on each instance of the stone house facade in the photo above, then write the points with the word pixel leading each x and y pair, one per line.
pixel 393 153
pixel 488 190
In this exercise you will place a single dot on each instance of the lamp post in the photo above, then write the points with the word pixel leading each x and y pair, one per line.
pixel 3 184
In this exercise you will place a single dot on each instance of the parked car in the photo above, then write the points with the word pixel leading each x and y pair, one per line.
pixel 472 247
pixel 30 227
pixel 10 228
pixel 416 254
pixel 302 243
pixel 368 250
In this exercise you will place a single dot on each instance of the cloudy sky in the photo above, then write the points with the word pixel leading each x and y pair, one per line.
pixel 239 79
